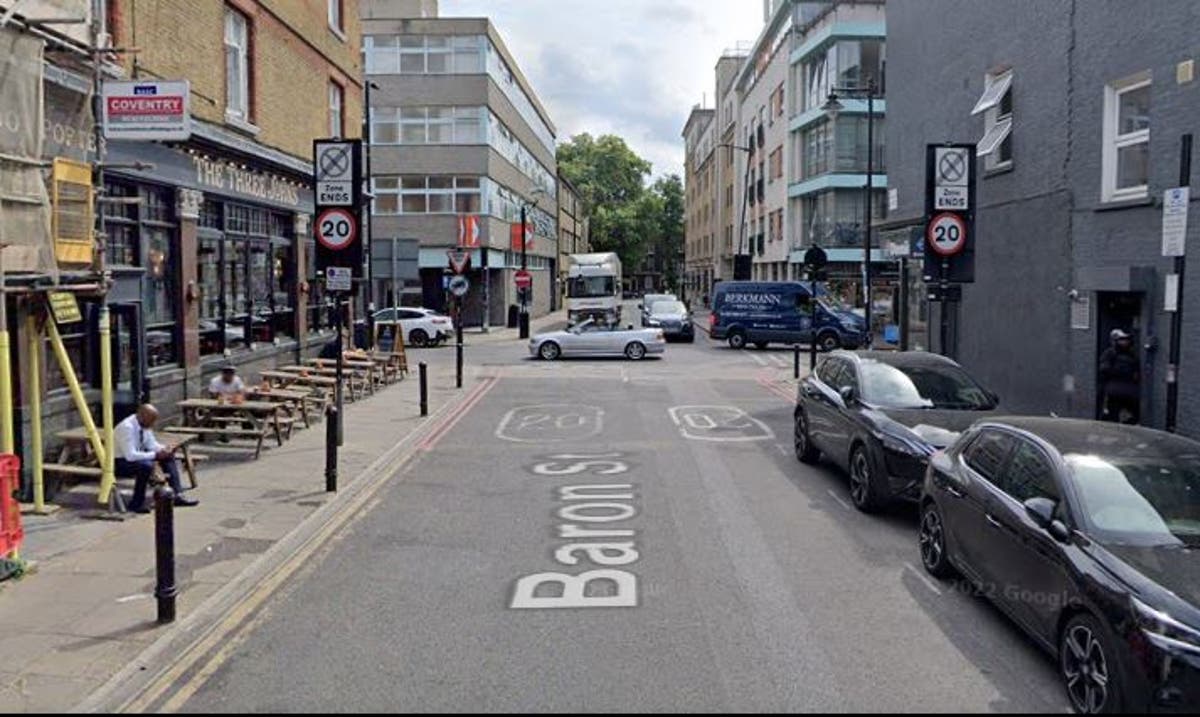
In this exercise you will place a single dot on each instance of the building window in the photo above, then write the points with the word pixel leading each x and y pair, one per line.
pixel 427 125
pixel 427 195
pixel 336 100
pixel 246 271
pixel 996 105
pixel 237 65
pixel 424 54
pixel 848 63
pixel 1126 158
pixel 335 15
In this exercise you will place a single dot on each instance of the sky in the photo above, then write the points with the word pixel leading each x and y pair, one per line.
pixel 634 68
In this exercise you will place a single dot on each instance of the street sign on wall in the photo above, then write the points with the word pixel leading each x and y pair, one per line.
pixel 337 187
pixel 152 110
pixel 1175 220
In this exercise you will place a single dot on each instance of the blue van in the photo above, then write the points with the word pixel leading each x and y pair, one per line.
pixel 766 312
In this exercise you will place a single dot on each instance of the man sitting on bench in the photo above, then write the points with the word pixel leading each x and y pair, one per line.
pixel 138 451
pixel 228 385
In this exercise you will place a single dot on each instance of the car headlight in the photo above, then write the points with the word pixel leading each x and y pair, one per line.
pixel 653 322
pixel 906 448
pixel 1164 631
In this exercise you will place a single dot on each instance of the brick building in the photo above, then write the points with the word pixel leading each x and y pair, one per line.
pixel 209 246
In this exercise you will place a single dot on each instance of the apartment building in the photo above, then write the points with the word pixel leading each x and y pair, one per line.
pixel 573 236
pixel 700 201
pixel 762 92
pixel 457 131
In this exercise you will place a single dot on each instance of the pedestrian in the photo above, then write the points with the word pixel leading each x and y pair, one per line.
pixel 1120 379
pixel 138 452
pixel 227 386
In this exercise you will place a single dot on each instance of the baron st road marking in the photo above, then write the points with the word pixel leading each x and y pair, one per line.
pixel 551 423
pixel 719 424
pixel 590 512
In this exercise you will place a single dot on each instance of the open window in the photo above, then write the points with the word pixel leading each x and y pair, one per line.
pixel 996 105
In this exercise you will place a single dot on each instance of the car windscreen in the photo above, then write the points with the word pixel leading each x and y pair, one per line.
pixel 1139 501
pixel 591 287
pixel 668 307
pixel 930 387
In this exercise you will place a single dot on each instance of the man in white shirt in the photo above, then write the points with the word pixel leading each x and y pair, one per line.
pixel 138 451
pixel 227 385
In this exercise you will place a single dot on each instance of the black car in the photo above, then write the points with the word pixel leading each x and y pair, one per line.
pixel 1088 536
pixel 673 318
pixel 882 414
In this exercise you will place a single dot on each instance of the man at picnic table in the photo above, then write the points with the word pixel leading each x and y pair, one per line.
pixel 138 451
pixel 228 385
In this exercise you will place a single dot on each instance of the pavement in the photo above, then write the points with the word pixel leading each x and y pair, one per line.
pixel 88 609
pixel 734 578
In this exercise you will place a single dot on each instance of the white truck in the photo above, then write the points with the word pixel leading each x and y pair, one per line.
pixel 594 288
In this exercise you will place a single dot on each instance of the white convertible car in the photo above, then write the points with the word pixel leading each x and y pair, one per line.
pixel 592 339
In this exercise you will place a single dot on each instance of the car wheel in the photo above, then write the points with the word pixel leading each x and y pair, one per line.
pixel 829 341
pixel 864 491
pixel 635 351
pixel 1088 666
pixel 806 452
pixel 549 351
pixel 417 338
pixel 737 340
pixel 691 339
pixel 933 542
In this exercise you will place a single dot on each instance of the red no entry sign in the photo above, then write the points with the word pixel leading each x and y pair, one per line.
pixel 523 279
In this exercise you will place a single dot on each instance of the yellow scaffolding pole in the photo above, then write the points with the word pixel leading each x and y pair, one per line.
pixel 33 382
pixel 108 462
pixel 68 372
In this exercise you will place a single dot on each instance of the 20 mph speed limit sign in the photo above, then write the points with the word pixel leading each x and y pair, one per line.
pixel 947 234
pixel 336 229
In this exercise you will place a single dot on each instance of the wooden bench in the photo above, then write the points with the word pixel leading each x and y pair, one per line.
pixel 208 417
pixel 76 458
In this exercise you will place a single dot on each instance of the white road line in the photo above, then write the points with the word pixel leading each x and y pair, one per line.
pixel 780 361
pixel 840 501
pixel 923 578
pixel 759 360
pixel 785 450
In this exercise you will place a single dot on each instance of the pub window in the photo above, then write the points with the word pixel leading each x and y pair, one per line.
pixel 120 224
pixel 159 282
pixel 283 276
pixel 318 313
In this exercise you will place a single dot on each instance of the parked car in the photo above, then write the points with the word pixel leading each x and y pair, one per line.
pixel 1088 536
pixel 590 338
pixel 648 302
pixel 765 312
pixel 420 327
pixel 674 319
pixel 880 415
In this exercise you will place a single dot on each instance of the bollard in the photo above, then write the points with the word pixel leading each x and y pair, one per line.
pixel 164 546
pixel 459 366
pixel 796 362
pixel 424 389
pixel 331 449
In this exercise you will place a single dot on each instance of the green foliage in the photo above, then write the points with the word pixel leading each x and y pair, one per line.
pixel 627 217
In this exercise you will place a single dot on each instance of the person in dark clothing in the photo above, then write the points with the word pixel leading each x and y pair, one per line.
pixel 329 350
pixel 1121 378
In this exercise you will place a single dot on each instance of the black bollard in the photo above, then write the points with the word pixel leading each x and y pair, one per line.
pixel 424 390
pixel 331 449
pixel 796 362
pixel 164 548
pixel 459 366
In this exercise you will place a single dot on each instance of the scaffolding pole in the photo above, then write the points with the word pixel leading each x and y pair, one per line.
pixel 33 383
pixel 68 372
pixel 108 462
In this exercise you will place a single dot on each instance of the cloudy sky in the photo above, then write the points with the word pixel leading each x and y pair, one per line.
pixel 633 68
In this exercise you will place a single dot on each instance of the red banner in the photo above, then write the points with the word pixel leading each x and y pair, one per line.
pixel 516 241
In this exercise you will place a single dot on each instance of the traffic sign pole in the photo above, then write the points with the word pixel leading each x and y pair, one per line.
pixel 1185 176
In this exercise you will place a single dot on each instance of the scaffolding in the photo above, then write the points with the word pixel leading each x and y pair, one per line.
pixel 76 232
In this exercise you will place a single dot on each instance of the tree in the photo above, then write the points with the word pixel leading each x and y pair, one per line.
pixel 669 189
pixel 610 179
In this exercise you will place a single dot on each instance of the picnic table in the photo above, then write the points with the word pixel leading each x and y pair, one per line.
pixel 210 417
pixel 397 361
pixel 77 458
pixel 294 400
pixel 374 370
pixel 356 379
pixel 287 379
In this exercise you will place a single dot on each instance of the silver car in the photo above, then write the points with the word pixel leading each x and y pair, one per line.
pixel 592 339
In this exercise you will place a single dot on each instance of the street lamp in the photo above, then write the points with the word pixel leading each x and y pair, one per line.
pixel 832 108
pixel 369 208
pixel 741 269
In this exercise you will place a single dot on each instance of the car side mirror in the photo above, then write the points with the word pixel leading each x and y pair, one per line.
pixel 1041 512
pixel 847 394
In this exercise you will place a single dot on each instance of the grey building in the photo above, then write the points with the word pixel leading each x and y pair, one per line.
pixel 1078 110
pixel 459 141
